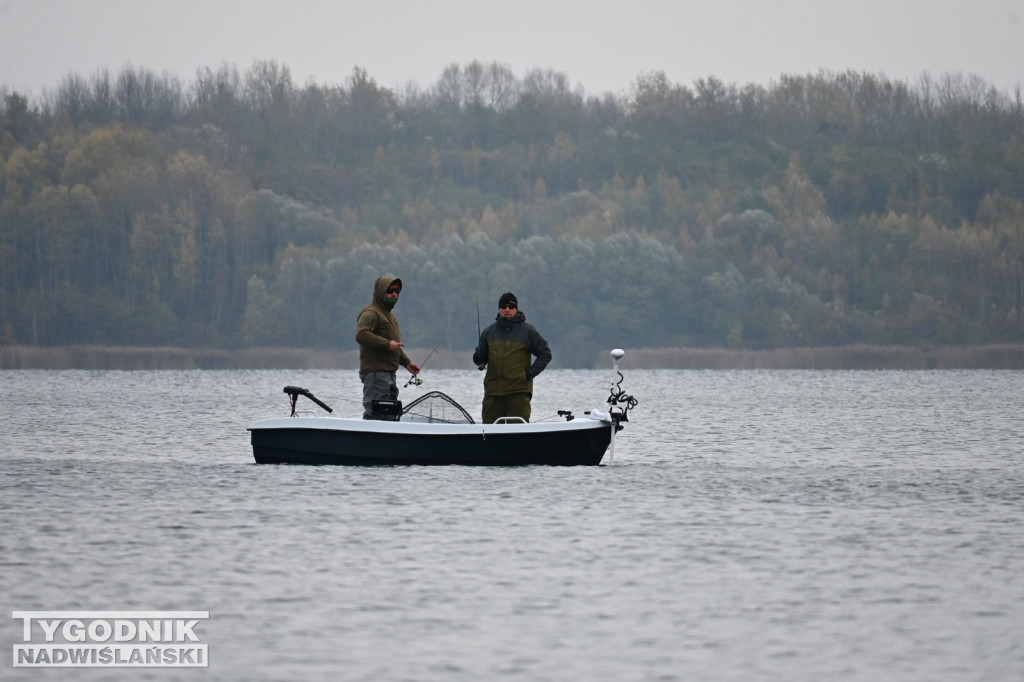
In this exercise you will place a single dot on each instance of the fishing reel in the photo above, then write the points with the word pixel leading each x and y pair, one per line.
pixel 416 379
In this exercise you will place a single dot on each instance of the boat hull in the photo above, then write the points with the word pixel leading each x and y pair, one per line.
pixel 354 442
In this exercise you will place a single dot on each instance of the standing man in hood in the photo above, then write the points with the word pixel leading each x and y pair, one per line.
pixel 505 350
pixel 380 345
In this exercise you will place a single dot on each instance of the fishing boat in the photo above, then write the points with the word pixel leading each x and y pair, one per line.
pixel 436 430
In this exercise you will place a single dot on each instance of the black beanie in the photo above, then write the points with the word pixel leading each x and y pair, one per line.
pixel 506 298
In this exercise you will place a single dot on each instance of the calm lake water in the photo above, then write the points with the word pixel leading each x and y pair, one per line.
pixel 754 525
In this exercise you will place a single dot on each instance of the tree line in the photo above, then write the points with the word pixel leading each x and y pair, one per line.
pixel 242 209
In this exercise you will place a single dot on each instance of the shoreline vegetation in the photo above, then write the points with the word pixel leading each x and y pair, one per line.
pixel 243 209
pixel 857 357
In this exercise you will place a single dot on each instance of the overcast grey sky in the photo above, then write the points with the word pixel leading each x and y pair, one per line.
pixel 602 45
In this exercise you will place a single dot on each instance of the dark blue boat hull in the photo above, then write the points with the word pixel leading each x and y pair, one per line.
pixel 483 447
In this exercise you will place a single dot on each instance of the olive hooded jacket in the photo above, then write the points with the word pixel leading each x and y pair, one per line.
pixel 506 348
pixel 376 327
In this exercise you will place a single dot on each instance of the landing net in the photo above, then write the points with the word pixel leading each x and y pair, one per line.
pixel 436 407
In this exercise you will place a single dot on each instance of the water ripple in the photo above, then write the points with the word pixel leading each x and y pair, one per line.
pixel 754 525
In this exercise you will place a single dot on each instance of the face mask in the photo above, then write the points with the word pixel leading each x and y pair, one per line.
pixel 389 303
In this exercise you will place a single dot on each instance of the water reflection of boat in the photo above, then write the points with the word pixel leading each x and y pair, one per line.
pixel 435 429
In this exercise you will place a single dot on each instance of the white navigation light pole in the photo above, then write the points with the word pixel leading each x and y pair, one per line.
pixel 617 354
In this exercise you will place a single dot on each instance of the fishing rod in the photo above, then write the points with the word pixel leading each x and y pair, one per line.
pixel 416 379
pixel 480 367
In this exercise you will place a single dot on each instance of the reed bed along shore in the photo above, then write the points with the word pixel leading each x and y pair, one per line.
pixel 842 357
pixel 132 357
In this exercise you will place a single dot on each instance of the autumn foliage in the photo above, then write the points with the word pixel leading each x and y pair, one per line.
pixel 245 210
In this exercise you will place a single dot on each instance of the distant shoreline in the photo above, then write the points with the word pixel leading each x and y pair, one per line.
pixel 843 357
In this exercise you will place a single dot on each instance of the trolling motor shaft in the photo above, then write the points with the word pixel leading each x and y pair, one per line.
pixel 294 392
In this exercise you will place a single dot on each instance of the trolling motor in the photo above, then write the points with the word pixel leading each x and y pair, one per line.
pixel 294 392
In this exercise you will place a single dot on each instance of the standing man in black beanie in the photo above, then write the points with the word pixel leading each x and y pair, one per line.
pixel 506 349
